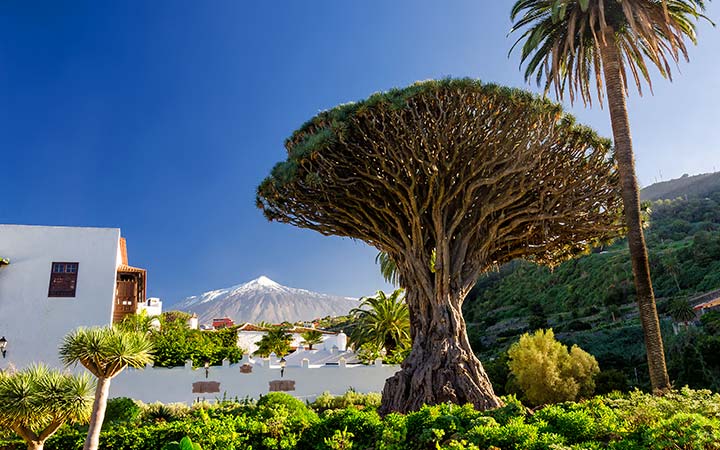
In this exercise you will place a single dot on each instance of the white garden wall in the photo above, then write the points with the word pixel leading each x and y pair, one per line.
pixel 169 385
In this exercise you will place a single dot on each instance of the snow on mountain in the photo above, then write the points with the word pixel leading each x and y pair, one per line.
pixel 262 299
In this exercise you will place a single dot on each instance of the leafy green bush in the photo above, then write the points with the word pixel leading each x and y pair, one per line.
pixel 547 372
pixel 364 425
pixel 684 419
pixel 121 410
pixel 184 444
pixel 327 401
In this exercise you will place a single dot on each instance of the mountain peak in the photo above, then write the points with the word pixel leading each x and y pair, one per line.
pixel 263 299
pixel 262 280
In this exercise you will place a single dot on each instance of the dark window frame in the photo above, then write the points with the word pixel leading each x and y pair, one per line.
pixel 63 279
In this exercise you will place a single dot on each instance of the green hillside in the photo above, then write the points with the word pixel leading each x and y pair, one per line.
pixel 590 300
pixel 690 186
pixel 684 245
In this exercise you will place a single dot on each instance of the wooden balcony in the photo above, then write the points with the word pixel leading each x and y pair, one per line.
pixel 129 291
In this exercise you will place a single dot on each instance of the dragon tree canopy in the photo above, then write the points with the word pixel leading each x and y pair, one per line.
pixel 473 146
pixel 448 178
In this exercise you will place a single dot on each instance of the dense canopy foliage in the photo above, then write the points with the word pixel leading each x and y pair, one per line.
pixel 448 178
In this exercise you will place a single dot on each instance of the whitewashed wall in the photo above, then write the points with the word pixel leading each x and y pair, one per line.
pixel 170 385
pixel 34 323
pixel 247 341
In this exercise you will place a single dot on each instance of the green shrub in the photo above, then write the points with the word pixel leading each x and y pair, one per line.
pixel 121 409
pixel 184 444
pixel 365 426
pixel 687 431
pixel 611 380
pixel 547 372
pixel 327 401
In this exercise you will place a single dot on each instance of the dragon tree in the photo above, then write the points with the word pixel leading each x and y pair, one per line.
pixel 450 178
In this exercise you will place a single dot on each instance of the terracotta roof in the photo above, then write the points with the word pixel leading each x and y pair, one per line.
pixel 130 269
pixel 123 251
pixel 710 304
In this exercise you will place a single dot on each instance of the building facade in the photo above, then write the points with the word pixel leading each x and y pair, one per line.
pixel 58 279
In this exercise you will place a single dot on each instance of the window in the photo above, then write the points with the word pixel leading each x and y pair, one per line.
pixel 63 279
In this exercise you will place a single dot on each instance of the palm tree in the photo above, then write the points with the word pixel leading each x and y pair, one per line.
pixel 568 43
pixel 276 340
pixel 37 401
pixel 383 321
pixel 388 269
pixel 312 337
pixel 681 311
pixel 105 352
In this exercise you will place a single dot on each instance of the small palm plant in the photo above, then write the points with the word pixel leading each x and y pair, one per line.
pixel 276 340
pixel 37 401
pixel 383 321
pixel 312 337
pixel 681 311
pixel 105 352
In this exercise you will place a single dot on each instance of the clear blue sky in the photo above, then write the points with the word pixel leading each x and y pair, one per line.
pixel 161 118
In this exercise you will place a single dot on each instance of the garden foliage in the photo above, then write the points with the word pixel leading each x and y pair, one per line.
pixel 547 372
pixel 684 419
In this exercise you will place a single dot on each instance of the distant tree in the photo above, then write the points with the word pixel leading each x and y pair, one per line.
pixel 388 269
pixel 105 352
pixel 276 340
pixel 711 322
pixel 449 178
pixel 140 322
pixel 681 311
pixel 547 372
pixel 37 401
pixel 383 321
pixel 312 337
pixel 573 45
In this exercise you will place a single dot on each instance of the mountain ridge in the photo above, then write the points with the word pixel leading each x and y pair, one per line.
pixel 690 186
pixel 264 300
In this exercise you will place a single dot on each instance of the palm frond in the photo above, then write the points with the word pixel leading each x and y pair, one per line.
pixel 562 40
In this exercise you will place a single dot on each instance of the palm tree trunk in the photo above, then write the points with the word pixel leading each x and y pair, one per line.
pixel 98 414
pixel 631 198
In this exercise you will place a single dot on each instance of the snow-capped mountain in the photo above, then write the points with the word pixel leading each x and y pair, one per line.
pixel 262 299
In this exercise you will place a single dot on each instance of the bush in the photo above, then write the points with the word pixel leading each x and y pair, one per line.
pixel 364 425
pixel 547 373
pixel 611 380
pixel 327 401
pixel 121 410
pixel 684 419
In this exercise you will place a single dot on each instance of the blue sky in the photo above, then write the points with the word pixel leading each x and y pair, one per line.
pixel 162 117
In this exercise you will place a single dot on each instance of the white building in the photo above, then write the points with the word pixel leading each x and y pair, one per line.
pixel 249 335
pixel 58 279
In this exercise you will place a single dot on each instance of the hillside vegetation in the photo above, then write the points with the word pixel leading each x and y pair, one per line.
pixel 690 186
pixel 590 301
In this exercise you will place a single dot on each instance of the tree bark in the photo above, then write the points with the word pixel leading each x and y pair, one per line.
pixel 615 87
pixel 35 445
pixel 98 414
pixel 441 366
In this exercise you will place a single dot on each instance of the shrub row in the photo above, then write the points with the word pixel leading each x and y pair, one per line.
pixel 681 420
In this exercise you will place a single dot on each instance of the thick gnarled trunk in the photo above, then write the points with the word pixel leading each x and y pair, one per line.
pixel 631 199
pixel 441 366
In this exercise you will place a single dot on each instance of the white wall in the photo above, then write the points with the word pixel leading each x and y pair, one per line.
pixel 247 340
pixel 170 385
pixel 35 324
